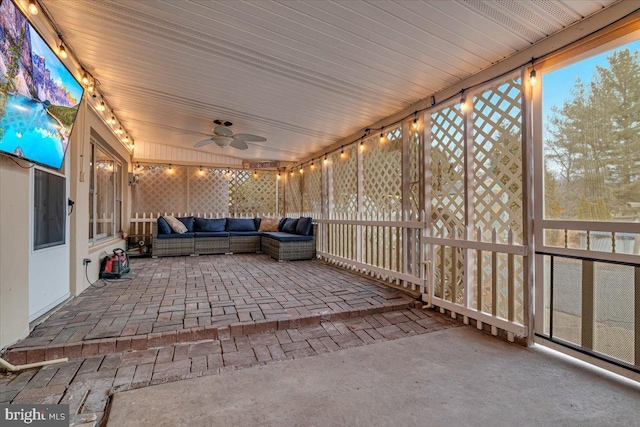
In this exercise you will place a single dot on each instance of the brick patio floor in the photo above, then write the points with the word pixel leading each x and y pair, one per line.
pixel 177 299
pixel 86 383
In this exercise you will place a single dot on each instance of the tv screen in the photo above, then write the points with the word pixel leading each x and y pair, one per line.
pixel 39 97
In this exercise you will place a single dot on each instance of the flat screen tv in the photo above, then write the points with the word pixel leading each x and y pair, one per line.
pixel 39 97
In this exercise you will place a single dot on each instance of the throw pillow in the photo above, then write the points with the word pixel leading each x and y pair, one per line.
pixel 216 224
pixel 175 224
pixel 290 226
pixel 163 227
pixel 188 222
pixel 304 226
pixel 269 224
pixel 241 224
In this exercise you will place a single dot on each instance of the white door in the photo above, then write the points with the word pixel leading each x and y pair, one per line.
pixel 48 241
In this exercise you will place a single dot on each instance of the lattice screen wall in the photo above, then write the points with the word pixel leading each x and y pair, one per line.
pixel 209 191
pixel 293 192
pixel 344 180
pixel 312 189
pixel 497 137
pixel 158 190
pixel 255 192
pixel 382 174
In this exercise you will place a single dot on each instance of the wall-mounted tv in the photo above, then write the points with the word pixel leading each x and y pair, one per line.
pixel 39 97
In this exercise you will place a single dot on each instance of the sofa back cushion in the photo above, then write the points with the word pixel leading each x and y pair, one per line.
pixel 163 226
pixel 188 222
pixel 269 224
pixel 304 226
pixel 176 226
pixel 203 224
pixel 290 226
pixel 281 223
pixel 241 224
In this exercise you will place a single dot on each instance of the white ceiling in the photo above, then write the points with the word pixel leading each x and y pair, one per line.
pixel 301 73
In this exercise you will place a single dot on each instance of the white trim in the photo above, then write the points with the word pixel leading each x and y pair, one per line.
pixel 577 357
pixel 617 227
pixel 514 328
pixel 605 256
pixel 368 267
pixel 49 307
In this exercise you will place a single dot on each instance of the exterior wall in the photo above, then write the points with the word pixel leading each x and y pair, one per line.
pixel 89 123
pixel 14 225
pixel 14 252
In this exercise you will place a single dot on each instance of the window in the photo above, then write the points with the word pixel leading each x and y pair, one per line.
pixel 105 194
pixel 49 209
pixel 591 116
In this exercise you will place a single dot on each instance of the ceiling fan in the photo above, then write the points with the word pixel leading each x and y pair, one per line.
pixel 222 136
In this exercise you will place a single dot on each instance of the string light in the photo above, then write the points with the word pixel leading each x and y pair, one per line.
pixel 312 165
pixel 463 103
pixel 101 106
pixel 229 174
pixel 201 171
pixel 170 170
pixel 301 170
pixel 125 139
pixel 112 120
pixel 91 88
pixel 416 122
pixel 119 131
pixel 85 79
pixel 532 78
pixel 342 155
pixel 278 177
pixel 382 138
pixel 33 8
pixel 255 174
pixel 325 161
pixel 62 52
pixel 361 145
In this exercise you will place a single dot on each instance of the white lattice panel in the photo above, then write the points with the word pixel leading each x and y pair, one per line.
pixel 255 192
pixel 293 195
pixel 208 191
pixel 312 189
pixel 159 190
pixel 497 133
pixel 345 180
pixel 447 169
pixel 382 173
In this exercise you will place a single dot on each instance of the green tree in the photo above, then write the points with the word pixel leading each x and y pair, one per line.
pixel 595 139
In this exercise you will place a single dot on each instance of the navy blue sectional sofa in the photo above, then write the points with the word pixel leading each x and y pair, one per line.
pixel 294 239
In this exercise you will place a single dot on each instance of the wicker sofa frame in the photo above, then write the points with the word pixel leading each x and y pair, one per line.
pixel 281 251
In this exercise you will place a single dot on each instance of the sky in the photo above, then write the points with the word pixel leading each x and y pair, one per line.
pixel 59 72
pixel 558 84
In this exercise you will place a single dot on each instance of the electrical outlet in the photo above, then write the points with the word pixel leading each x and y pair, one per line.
pixel 86 261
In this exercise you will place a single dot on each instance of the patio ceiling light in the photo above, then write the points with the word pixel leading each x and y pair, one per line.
pixel 532 78
pixel 33 7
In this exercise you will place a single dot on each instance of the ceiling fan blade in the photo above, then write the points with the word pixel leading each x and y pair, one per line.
pixel 249 137
pixel 222 130
pixel 204 142
pixel 239 144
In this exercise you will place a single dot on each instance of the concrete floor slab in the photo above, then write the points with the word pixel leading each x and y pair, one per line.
pixel 451 377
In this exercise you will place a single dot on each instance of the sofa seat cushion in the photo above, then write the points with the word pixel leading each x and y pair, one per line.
pixel 200 234
pixel 212 224
pixel 286 237
pixel 176 236
pixel 244 233
pixel 241 224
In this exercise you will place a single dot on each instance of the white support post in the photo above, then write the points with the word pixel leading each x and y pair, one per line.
pixel 360 187
pixel 406 196
pixel 469 199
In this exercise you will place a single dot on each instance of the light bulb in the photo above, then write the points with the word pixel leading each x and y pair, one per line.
pixel 101 106
pixel 126 138
pixel 291 173
pixel 170 170
pixel 312 165
pixel 463 104
pixel 533 79
pixel 201 172
pixel 325 159
pixel 91 88
pixel 255 174
pixel 119 131
pixel 278 177
pixel 342 154
pixel 62 52
pixel 85 79
pixel 361 145
pixel 33 7
pixel 301 170
pixel 112 120
pixel 382 138
pixel 416 124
